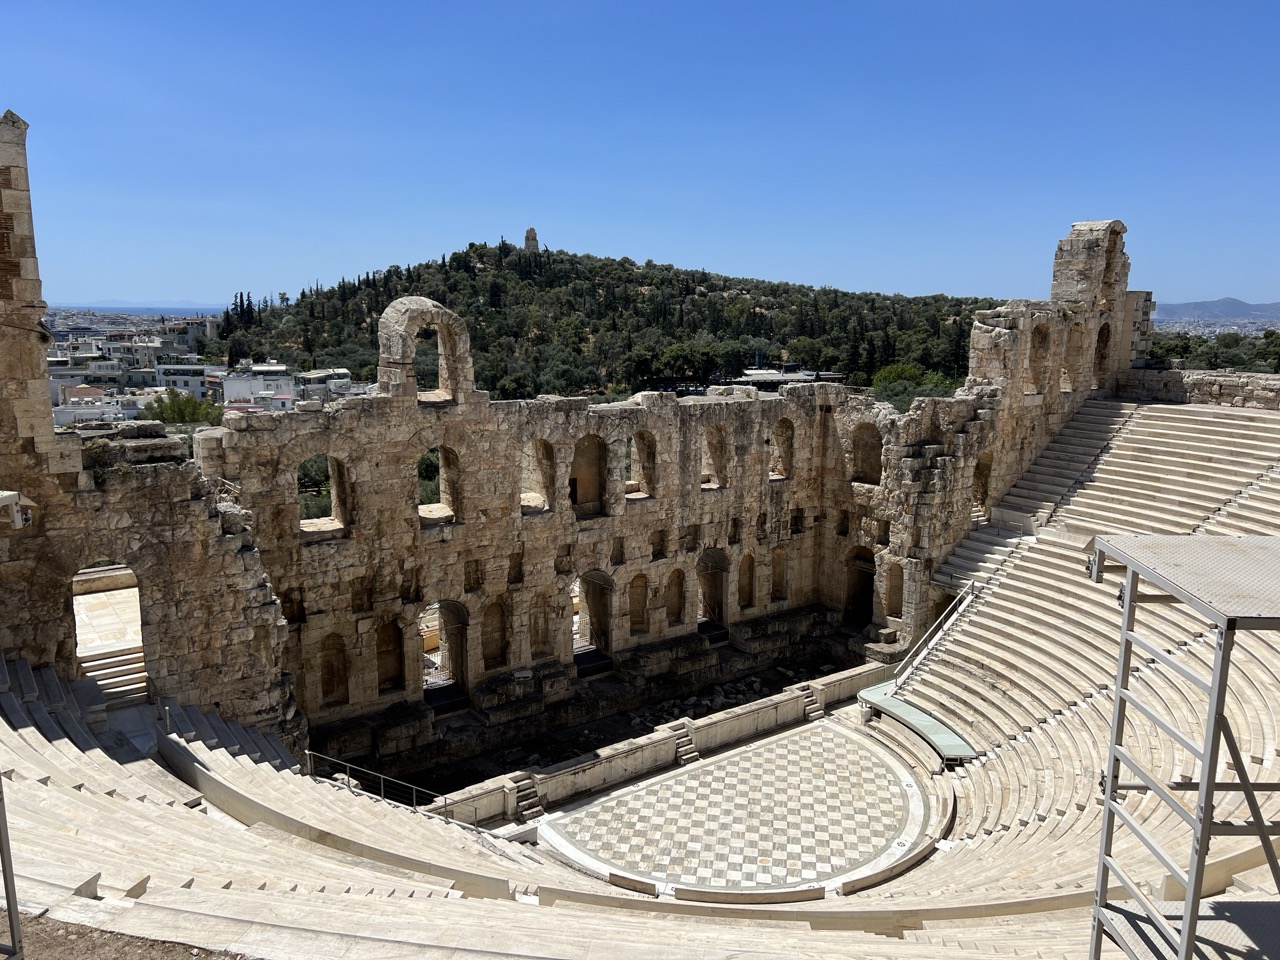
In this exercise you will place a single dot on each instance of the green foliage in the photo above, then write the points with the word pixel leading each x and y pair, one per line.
pixel 180 407
pixel 313 488
pixel 900 383
pixel 576 324
pixel 429 477
pixel 895 372
pixel 1251 354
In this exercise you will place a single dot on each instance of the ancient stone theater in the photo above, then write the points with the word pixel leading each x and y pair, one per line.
pixel 209 776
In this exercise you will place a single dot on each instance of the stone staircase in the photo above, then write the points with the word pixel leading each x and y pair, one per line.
pixel 120 673
pixel 1032 501
pixel 1062 465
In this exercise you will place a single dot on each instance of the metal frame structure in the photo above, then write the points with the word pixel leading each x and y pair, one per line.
pixel 13 948
pixel 1235 583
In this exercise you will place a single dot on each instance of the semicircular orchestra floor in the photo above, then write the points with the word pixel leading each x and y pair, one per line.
pixel 812 807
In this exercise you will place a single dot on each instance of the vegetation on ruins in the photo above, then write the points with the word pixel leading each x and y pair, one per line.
pixel 1227 350
pixel 179 406
pixel 313 488
pixel 556 322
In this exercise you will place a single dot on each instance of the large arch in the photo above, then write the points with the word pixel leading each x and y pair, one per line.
pixel 594 626
pixel 455 621
pixel 397 333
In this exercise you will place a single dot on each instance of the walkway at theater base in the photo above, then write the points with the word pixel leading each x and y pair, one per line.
pixel 811 807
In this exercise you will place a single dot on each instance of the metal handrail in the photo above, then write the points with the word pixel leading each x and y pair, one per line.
pixel 413 791
pixel 921 648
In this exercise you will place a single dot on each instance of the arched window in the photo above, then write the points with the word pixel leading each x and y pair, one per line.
pixel 493 636
pixel 715 458
pixel 333 671
pixel 642 466
pixel 673 598
pixel 866 453
pixel 592 593
pixel 587 477
pixel 537 478
pixel 439 486
pixel 1039 359
pixel 893 590
pixel 454 622
pixel 390 657
pixel 324 496
pixel 778 585
pixel 713 566
pixel 783 449
pixel 747 582
pixel 638 602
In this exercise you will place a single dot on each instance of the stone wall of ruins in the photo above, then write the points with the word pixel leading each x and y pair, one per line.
pixel 210 622
pixel 772 516
pixel 1259 391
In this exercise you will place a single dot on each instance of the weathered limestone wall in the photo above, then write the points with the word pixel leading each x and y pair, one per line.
pixel 732 525
pixel 211 627
pixel 1226 388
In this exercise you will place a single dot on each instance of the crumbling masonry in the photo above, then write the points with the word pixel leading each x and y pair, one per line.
pixel 697 529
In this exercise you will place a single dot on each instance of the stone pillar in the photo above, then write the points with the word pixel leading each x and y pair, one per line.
pixel 531 241
pixel 27 443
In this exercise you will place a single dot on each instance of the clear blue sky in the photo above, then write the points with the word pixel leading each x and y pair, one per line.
pixel 184 151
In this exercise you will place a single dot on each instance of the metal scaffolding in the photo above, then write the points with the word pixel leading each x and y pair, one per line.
pixel 1234 582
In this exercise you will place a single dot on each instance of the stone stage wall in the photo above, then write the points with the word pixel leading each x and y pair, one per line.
pixel 771 515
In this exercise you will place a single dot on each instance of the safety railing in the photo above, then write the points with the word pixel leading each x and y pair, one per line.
pixel 361 780
pixel 921 648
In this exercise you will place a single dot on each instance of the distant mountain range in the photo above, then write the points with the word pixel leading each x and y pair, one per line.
pixel 1228 308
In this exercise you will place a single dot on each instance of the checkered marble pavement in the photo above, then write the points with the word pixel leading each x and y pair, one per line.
pixel 796 809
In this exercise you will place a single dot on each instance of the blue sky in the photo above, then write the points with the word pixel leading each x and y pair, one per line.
pixel 186 151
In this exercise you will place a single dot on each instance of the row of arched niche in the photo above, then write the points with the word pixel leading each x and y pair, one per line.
pixel 323 490
pixel 584 623
pixel 1072 374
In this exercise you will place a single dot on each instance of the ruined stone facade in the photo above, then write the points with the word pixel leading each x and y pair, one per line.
pixel 210 621
pixel 737 521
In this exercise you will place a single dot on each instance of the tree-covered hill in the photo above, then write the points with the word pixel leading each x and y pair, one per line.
pixel 557 322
